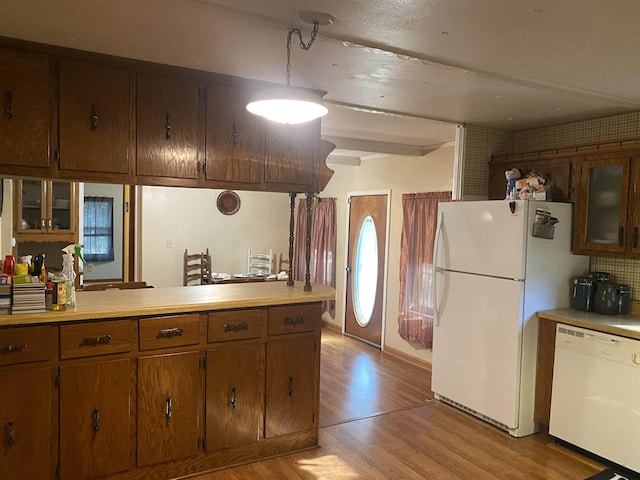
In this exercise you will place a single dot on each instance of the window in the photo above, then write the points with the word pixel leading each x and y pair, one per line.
pixel 98 229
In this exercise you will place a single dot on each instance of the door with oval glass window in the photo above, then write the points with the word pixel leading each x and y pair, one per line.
pixel 366 252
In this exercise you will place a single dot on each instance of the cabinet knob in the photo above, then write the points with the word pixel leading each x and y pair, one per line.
pixel 167 127
pixel 621 236
pixel 634 238
pixel 291 387
pixel 234 398
pixel 95 420
pixel 8 105
pixel 11 434
pixel 168 408
pixel 94 117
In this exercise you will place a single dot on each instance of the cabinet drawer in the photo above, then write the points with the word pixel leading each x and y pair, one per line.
pixel 95 338
pixel 165 332
pixel 294 318
pixel 25 344
pixel 236 325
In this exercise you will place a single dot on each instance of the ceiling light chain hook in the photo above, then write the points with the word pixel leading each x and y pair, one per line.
pixel 303 45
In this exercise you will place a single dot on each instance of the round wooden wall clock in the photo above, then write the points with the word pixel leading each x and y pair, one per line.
pixel 228 202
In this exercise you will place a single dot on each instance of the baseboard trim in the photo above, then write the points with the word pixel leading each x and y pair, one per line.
pixel 331 326
pixel 418 362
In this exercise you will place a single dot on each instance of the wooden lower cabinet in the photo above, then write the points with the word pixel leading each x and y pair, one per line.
pixel 235 395
pixel 292 384
pixel 25 421
pixel 160 397
pixel 168 398
pixel 94 419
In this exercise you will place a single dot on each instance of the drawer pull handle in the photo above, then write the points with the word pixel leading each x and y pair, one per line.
pixel 11 434
pixel 168 408
pixel 170 332
pixel 12 348
pixel 93 341
pixel 236 327
pixel 234 398
pixel 95 418
pixel 293 321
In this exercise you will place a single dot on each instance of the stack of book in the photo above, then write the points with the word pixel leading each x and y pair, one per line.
pixel 5 299
pixel 28 295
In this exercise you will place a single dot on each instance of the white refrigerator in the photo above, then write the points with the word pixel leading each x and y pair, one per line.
pixel 491 276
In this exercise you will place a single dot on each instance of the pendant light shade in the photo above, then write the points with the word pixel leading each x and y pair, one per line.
pixel 287 105
pixel 291 105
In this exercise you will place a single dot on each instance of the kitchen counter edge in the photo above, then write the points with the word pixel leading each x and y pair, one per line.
pixel 622 325
pixel 174 300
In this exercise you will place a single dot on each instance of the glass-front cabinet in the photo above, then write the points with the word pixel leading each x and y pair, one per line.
pixel 604 216
pixel 45 207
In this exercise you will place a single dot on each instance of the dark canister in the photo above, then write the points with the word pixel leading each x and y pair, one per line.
pixel 582 293
pixel 624 297
pixel 605 301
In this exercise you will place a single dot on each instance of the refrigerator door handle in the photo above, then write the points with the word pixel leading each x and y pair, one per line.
pixel 436 270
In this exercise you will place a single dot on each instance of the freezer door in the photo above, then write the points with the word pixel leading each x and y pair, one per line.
pixel 482 237
pixel 476 344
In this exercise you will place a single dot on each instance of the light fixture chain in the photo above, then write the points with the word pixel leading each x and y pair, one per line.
pixel 303 45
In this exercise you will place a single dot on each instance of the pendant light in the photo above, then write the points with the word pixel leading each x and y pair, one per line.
pixel 287 104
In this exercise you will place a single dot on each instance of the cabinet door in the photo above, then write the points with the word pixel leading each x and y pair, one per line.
pixel 634 206
pixel 25 112
pixel 235 395
pixel 95 117
pixel 235 137
pixel 292 374
pixel 167 125
pixel 94 419
pixel 557 174
pixel 45 207
pixel 25 421
pixel 291 154
pixel 168 396
pixel 601 206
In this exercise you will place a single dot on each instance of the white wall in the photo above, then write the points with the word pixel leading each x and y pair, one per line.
pixel 173 219
pixel 400 174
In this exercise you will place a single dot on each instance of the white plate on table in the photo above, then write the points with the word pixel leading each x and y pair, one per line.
pixel 243 275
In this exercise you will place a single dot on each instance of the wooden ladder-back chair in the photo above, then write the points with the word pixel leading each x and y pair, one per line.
pixel 283 264
pixel 196 268
pixel 260 263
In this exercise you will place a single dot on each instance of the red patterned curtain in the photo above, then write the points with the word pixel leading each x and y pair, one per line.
pixel 415 309
pixel 322 266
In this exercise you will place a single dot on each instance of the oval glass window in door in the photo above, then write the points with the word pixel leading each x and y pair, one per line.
pixel 365 272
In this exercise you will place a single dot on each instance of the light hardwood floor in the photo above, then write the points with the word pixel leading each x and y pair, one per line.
pixel 379 421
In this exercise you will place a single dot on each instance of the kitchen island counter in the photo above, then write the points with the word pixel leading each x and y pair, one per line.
pixel 170 300
pixel 161 383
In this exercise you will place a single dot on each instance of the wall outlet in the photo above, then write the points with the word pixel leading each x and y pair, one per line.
pixel 169 243
pixel 88 267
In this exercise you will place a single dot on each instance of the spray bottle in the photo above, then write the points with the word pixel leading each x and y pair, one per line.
pixel 69 272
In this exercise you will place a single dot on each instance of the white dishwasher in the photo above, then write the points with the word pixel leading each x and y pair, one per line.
pixel 595 397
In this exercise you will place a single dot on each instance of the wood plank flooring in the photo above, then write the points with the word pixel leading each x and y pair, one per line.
pixel 379 421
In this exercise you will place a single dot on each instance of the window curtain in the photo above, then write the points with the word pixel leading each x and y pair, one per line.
pixel 322 266
pixel 98 229
pixel 415 308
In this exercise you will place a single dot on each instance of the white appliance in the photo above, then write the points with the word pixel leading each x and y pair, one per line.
pixel 491 276
pixel 595 398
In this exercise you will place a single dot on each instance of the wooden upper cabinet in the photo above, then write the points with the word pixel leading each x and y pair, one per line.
pixel 235 138
pixel 601 212
pixel 168 126
pixel 291 152
pixel 25 111
pixel 95 115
